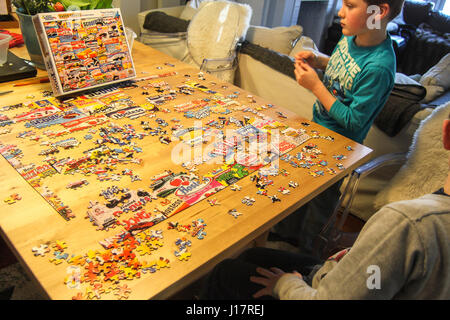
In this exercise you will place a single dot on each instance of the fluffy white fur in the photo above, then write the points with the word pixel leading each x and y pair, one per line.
pixel 215 30
pixel 426 168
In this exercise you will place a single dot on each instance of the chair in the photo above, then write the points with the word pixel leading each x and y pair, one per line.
pixel 172 44
pixel 423 172
pixel 212 37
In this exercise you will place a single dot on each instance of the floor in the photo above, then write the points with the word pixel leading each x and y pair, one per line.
pixel 14 284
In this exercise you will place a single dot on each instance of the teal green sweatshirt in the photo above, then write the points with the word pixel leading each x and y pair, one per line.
pixel 361 78
pixel 402 252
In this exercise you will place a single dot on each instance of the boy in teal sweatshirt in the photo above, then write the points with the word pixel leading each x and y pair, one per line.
pixel 358 79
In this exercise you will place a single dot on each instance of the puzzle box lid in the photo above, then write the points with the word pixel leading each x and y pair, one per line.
pixel 84 49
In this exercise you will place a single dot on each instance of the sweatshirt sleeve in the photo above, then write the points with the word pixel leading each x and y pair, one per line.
pixel 371 90
pixel 387 253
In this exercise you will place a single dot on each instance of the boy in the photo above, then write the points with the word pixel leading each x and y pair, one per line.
pixel 403 252
pixel 358 79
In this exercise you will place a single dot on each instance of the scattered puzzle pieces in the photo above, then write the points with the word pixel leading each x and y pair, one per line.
pixel 234 213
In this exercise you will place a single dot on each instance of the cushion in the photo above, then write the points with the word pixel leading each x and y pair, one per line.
pixel 432 93
pixel 439 21
pixel 415 12
pixel 278 39
pixel 401 78
pixel 439 75
pixel 401 106
pixel 304 43
pixel 426 156
pixel 161 22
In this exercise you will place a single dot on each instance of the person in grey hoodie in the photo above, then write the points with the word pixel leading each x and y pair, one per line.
pixel 402 252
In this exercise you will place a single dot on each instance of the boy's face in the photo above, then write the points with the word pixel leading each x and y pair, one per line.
pixel 354 17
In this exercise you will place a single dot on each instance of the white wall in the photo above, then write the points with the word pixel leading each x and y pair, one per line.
pixel 259 8
pixel 130 9
pixel 148 4
pixel 153 4
pixel 273 13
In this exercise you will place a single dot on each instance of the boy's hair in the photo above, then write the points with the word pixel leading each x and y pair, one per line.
pixel 395 6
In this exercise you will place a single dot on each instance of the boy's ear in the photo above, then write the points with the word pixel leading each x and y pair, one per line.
pixel 446 134
pixel 385 10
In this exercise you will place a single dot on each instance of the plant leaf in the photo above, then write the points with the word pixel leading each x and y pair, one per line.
pixel 93 4
pixel 104 4
pixel 78 3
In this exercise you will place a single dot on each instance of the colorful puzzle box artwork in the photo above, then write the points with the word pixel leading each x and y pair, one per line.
pixel 84 49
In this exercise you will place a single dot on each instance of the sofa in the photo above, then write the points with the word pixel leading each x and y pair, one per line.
pixel 278 87
pixel 423 36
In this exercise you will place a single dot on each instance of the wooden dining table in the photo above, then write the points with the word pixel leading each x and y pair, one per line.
pixel 28 220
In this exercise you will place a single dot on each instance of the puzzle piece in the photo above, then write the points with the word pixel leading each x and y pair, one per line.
pixel 59 257
pixel 162 263
pixel 283 190
pixel 213 202
pixel 183 256
pixel 13 198
pixel 293 184
pixel 201 234
pixel 198 229
pixel 41 250
pixel 154 243
pixel 235 187
pixel 234 213
pixel 156 234
pixel 248 201
pixel 78 296
pixel 274 198
pixel 59 245
pixel 143 249
pixel 77 260
pixel 123 292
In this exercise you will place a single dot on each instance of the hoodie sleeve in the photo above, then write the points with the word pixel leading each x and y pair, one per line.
pixel 387 252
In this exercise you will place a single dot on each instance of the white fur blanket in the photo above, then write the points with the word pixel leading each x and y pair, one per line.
pixel 426 168
pixel 215 31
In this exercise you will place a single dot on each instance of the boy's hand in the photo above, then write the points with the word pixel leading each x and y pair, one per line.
pixel 269 279
pixel 306 76
pixel 310 57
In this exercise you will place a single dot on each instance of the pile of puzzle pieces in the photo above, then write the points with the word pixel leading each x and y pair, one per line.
pixel 104 271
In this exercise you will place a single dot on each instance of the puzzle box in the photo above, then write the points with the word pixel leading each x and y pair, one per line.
pixel 84 49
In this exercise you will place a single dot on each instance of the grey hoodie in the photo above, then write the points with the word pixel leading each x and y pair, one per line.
pixel 402 252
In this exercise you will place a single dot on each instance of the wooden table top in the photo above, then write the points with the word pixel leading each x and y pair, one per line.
pixel 31 221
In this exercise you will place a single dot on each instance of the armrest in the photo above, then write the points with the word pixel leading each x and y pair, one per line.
pixel 216 65
pixel 351 187
pixel 332 237
pixel 157 38
pixel 221 68
pixel 172 11
pixel 379 162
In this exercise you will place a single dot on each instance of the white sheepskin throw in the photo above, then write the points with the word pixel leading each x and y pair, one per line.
pixel 215 30
pixel 426 168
